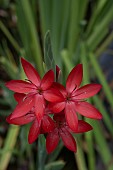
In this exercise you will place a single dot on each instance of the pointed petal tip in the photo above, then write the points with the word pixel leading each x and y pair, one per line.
pixel 97 116
pixel 48 151
pixel 99 86
pixel 30 141
pixel 74 149
pixel 74 78
pixel 23 61
pixel 52 141
pixel 8 119
pixel 88 110
pixel 30 72
pixel 84 126
pixel 7 84
pixel 13 116
pixel 20 120
pixel 87 91
pixel 100 116
pixel 68 139
pixel 80 65
pixel 34 132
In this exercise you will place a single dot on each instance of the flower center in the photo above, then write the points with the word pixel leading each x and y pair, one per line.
pixel 60 124
pixel 68 97
pixel 40 91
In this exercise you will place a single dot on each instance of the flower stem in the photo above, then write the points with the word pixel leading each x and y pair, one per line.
pixel 41 153
pixel 10 142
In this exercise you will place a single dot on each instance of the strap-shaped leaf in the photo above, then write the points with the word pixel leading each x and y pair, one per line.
pixel 57 165
pixel 48 54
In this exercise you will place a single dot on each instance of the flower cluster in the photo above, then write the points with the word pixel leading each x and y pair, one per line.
pixel 52 108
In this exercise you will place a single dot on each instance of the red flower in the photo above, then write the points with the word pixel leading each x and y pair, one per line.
pixel 35 94
pixel 62 131
pixel 73 98
pixel 37 91
pixel 45 125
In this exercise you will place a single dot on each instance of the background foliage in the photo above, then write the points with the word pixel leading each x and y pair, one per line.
pixel 81 32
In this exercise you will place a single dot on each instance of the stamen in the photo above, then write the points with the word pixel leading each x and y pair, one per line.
pixel 39 91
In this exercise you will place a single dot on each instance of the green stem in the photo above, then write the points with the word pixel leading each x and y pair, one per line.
pixel 41 153
pixel 102 79
pixel 89 136
pixel 106 116
pixel 35 46
pixel 80 158
pixel 73 26
pixel 10 142
pixel 66 60
pixel 102 48
pixel 102 145
pixel 10 37
pixel 98 31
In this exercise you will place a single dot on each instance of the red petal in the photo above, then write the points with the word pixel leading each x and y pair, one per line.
pixel 31 72
pixel 56 107
pixel 34 131
pixel 86 91
pixel 47 80
pixel 20 86
pixel 74 79
pixel 39 106
pixel 23 108
pixel 83 127
pixel 52 140
pixel 71 116
pixel 19 97
pixel 60 87
pixel 20 120
pixel 53 95
pixel 47 124
pixel 68 139
pixel 87 110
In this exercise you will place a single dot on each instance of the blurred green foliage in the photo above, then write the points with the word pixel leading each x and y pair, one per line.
pixel 80 32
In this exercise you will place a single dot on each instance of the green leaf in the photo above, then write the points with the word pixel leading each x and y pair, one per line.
pixel 58 165
pixel 11 39
pixel 4 112
pixel 48 54
pixel 11 70
pixel 102 145
pixel 28 33
pixel 53 156
pixel 8 95
pixel 9 145
pixel 42 154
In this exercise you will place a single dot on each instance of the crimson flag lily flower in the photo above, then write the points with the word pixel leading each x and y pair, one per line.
pixel 73 98
pixel 62 131
pixel 37 91
pixel 45 125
